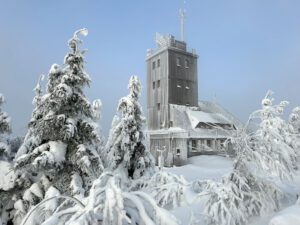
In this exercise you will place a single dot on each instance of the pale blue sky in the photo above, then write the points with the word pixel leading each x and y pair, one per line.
pixel 245 46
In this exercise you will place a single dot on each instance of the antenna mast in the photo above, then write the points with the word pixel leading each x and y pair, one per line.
pixel 182 13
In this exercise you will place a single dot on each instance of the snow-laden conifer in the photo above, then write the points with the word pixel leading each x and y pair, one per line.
pixel 167 189
pixel 125 147
pixel 61 148
pixel 5 129
pixel 271 139
pixel 114 199
pixel 262 155
pixel 108 203
pixel 294 130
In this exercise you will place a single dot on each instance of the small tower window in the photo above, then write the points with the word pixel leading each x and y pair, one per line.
pixel 178 61
pixel 171 124
pixel 178 84
pixel 153 65
pixel 158 63
pixel 187 63
pixel 153 85
pixel 158 106
pixel 158 83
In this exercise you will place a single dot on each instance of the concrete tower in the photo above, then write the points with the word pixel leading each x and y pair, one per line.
pixel 171 79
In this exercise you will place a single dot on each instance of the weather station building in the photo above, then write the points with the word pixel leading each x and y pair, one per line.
pixel 179 125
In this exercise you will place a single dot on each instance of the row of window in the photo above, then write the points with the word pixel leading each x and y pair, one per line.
pixel 209 143
pixel 178 63
pixel 186 62
pixel 179 85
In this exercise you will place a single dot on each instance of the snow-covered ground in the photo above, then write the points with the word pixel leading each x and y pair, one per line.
pixel 203 167
pixel 215 167
pixel 288 216
pixel 199 168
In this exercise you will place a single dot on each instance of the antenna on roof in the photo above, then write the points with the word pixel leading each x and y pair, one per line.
pixel 182 14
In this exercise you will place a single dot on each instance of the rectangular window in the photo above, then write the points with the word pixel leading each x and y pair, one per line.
pixel 194 145
pixel 158 63
pixel 222 143
pixel 158 106
pixel 153 65
pixel 178 61
pixel 153 85
pixel 171 124
pixel 208 143
pixel 187 63
pixel 158 83
pixel 178 84
pixel 187 85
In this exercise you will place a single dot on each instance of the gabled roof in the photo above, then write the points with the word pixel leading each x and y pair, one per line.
pixel 208 113
pixel 186 119
pixel 213 107
pixel 196 117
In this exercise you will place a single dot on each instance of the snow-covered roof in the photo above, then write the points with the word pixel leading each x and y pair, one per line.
pixel 197 116
pixel 186 119
pixel 213 107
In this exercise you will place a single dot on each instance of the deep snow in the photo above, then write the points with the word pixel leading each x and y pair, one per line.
pixel 215 167
pixel 203 167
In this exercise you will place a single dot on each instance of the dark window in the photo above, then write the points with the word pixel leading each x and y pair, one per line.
pixel 194 145
pixel 208 143
pixel 178 152
pixel 171 124
pixel 187 63
pixel 178 84
pixel 187 86
pixel 222 143
pixel 158 106
pixel 158 63
pixel 153 85
pixel 153 65
pixel 158 83
pixel 178 61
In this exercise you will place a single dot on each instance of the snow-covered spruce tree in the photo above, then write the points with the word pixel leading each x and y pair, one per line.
pixel 125 148
pixel 108 203
pixel 260 154
pixel 272 139
pixel 112 200
pixel 294 129
pixel 167 189
pixel 240 195
pixel 294 120
pixel 5 164
pixel 62 143
pixel 5 129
